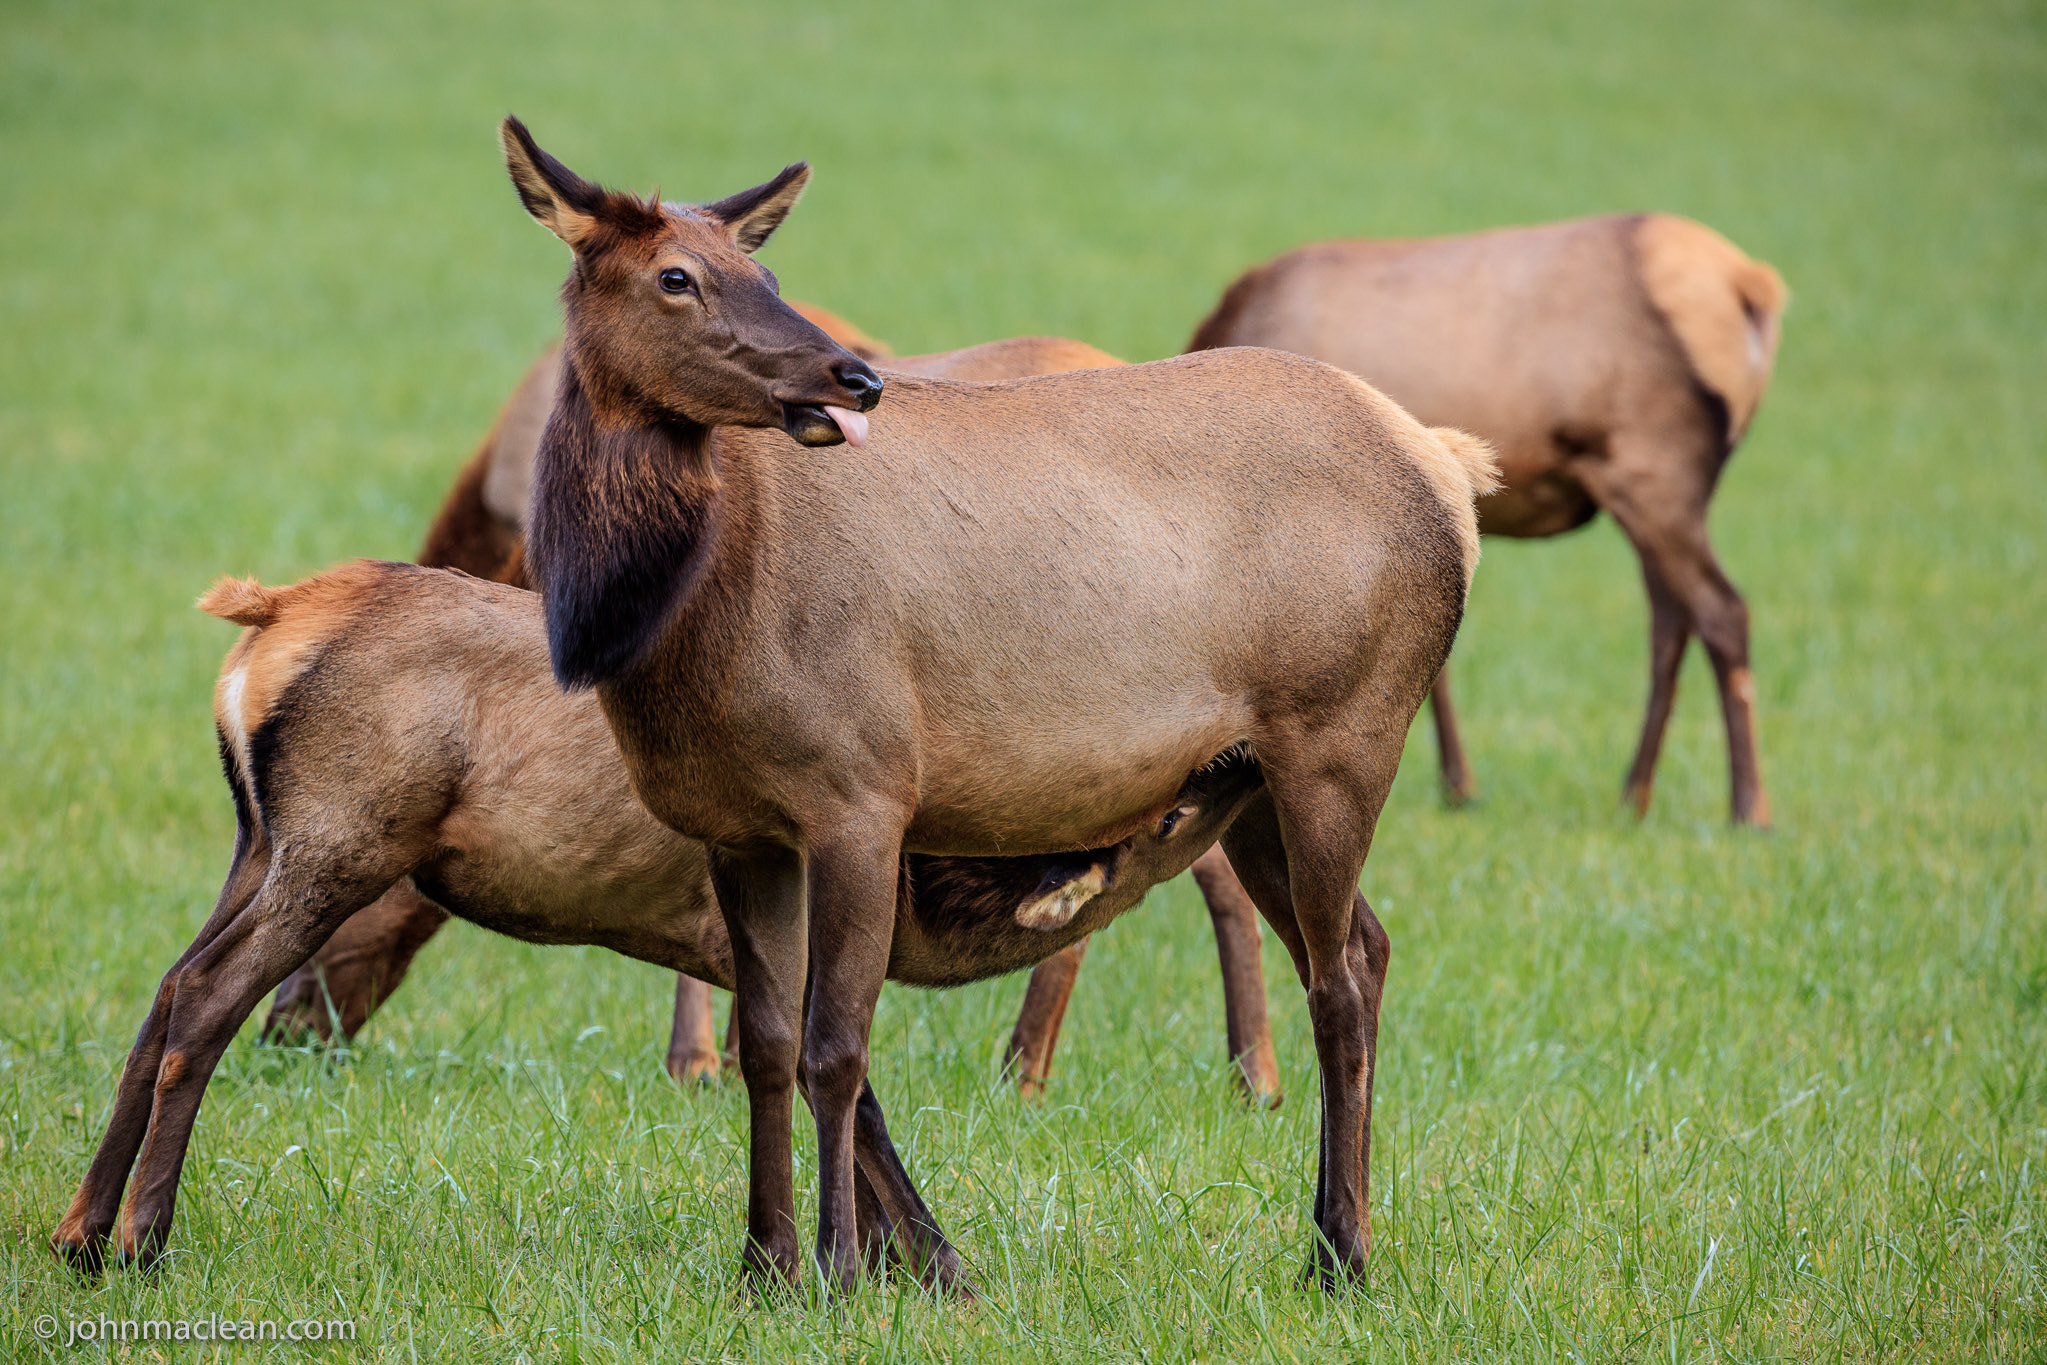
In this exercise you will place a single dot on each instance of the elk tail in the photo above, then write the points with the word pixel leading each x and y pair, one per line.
pixel 243 601
pixel 1475 455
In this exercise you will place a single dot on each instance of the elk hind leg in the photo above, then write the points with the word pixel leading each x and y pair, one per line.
pixel 1300 851
pixel 211 995
pixel 356 970
pixel 81 1237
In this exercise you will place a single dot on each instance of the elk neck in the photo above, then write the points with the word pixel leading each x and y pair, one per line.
pixel 627 519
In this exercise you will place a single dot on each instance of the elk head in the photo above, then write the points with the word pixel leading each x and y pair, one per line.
pixel 669 316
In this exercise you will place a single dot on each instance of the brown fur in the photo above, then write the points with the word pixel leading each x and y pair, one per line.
pixel 480 529
pixel 1011 624
pixel 1613 362
pixel 428 752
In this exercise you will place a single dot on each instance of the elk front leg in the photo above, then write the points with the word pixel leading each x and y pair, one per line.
pixel 1237 943
pixel 692 1042
pixel 852 889
pixel 1459 787
pixel 760 893
pixel 1037 1023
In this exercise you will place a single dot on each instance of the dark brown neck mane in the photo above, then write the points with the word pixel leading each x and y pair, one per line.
pixel 622 513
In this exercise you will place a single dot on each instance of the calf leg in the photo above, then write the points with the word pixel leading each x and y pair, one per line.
pixel 357 969
pixel 692 1042
pixel 81 1236
pixel 1459 787
pixel 1236 941
pixel 1037 1024
pixel 211 995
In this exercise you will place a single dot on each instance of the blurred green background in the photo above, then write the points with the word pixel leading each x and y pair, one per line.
pixel 1645 1090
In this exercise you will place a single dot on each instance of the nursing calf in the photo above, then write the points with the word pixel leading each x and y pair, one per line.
pixel 388 726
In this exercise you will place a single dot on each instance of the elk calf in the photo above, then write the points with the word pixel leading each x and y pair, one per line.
pixel 1614 363
pixel 392 734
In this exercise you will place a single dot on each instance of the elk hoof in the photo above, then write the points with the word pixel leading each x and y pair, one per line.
pixel 694 1068
pixel 83 1252
pixel 1331 1273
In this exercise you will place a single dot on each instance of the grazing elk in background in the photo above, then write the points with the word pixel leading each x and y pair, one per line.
pixel 1012 622
pixel 1613 362
pixel 481 529
pixel 388 725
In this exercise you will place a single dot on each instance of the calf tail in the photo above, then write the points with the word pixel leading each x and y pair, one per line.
pixel 243 601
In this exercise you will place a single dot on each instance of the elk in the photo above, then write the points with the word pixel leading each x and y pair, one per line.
pixel 1613 362
pixel 481 529
pixel 1010 619
pixel 387 724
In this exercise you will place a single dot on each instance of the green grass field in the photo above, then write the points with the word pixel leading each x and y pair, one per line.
pixel 1656 1091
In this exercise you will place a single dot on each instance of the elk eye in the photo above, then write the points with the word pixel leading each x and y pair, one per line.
pixel 674 281
pixel 1172 818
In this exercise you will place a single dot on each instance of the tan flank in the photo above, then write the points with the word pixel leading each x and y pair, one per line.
pixel 1612 362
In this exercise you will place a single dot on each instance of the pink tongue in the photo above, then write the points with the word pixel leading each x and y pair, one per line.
pixel 852 425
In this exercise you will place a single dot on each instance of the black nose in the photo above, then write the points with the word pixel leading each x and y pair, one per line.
pixel 861 382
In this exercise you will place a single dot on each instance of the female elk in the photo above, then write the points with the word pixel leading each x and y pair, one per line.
pixel 480 529
pixel 1614 363
pixel 385 725
pixel 1011 623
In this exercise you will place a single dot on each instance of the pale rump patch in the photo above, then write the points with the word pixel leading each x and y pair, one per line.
pixel 227 708
pixel 1722 305
pixel 1057 907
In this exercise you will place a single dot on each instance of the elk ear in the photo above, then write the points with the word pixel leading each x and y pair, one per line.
pixel 565 203
pixel 751 215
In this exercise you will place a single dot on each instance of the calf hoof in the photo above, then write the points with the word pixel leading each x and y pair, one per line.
pixel 1459 794
pixel 84 1252
pixel 297 1023
pixel 693 1068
